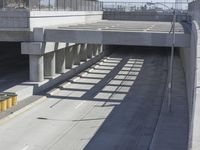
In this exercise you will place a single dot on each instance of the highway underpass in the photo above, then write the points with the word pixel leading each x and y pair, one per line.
pixel 14 66
pixel 118 103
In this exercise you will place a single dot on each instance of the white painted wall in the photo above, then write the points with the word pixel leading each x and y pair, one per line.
pixel 53 18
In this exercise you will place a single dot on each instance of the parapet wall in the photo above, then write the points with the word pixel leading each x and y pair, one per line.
pixel 191 62
pixel 142 16
pixel 31 19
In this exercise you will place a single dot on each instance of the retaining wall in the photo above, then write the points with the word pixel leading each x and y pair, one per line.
pixel 191 62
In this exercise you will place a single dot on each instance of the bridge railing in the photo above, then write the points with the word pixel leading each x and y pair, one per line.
pixel 133 6
pixel 52 5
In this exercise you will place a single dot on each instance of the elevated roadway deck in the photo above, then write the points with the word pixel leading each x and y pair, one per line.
pixel 140 33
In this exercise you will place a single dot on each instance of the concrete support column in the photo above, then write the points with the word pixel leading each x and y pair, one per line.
pixel 69 57
pixel 89 50
pixel 60 61
pixel 76 52
pixel 95 50
pixel 36 66
pixel 83 52
pixel 100 49
pixel 49 64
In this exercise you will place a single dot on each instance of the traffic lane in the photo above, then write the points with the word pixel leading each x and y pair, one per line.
pixel 40 126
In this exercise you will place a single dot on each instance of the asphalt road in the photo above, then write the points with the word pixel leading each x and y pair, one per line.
pixel 115 106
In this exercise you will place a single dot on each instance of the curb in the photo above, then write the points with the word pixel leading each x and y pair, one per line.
pixel 22 110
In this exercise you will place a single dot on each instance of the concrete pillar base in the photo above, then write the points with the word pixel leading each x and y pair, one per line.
pixel 69 57
pixel 36 66
pixel 49 65
pixel 60 61
pixel 95 50
pixel 76 52
pixel 89 51
pixel 83 52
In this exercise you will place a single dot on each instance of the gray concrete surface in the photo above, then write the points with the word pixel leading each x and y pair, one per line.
pixel 143 16
pixel 120 33
pixel 17 25
pixel 31 19
pixel 190 59
pixel 116 104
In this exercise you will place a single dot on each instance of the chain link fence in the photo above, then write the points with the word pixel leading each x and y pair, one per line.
pixel 145 6
pixel 52 5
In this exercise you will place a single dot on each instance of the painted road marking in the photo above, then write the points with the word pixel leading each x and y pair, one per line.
pixel 79 105
pixel 26 147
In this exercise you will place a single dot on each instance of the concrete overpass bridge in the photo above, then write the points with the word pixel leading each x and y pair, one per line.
pixel 107 77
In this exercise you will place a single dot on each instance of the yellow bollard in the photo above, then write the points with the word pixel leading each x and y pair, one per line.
pixel 9 102
pixel 14 98
pixel 3 104
pixel 0 106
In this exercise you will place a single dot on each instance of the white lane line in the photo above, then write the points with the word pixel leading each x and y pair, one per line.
pixel 79 105
pixel 26 147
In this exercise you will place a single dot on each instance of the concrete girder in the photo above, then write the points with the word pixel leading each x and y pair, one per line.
pixel 40 48
pixel 117 37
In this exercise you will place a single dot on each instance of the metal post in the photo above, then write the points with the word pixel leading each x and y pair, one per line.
pixel 3 4
pixel 39 5
pixel 171 65
pixel 57 5
pixel 76 5
pixel 49 5
pixel 71 4
pixel 64 5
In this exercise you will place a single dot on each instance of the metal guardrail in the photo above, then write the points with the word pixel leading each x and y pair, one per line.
pixel 144 7
pixel 52 5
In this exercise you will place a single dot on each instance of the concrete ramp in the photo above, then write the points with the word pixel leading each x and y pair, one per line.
pixel 139 33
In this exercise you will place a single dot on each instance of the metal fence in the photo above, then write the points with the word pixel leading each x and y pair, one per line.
pixel 52 5
pixel 144 6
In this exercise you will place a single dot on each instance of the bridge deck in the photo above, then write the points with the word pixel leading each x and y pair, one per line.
pixel 120 33
pixel 131 26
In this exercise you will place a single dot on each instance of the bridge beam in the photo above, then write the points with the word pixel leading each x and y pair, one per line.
pixel 117 37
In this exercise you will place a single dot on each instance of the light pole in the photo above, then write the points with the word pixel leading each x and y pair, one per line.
pixel 170 75
pixel 3 4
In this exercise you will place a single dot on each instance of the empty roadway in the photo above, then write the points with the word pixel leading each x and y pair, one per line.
pixel 119 103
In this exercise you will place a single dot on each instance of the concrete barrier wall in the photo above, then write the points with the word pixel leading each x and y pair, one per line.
pixel 138 16
pixel 26 19
pixel 49 18
pixel 14 19
pixel 191 62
